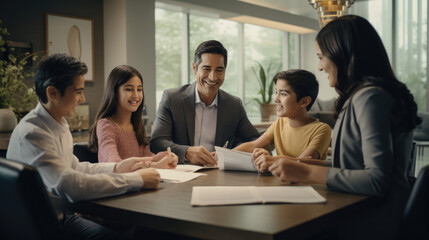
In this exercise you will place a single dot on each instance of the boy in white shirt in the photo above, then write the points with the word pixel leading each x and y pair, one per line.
pixel 42 139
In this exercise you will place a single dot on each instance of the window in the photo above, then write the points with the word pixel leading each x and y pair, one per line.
pixel 178 34
pixel 293 51
pixel 202 29
pixel 407 44
pixel 411 48
pixel 168 51
pixel 261 46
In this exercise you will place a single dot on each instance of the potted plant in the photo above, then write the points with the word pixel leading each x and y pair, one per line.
pixel 266 85
pixel 15 95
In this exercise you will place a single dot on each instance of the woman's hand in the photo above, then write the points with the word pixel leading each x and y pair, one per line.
pixel 292 170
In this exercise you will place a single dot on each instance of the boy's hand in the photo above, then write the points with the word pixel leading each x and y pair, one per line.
pixel 258 152
pixel 131 164
pixel 263 162
pixel 150 176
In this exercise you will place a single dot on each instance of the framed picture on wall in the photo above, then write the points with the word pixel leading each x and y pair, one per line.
pixel 73 36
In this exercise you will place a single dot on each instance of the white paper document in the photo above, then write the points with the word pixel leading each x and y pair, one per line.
pixel 192 168
pixel 227 195
pixel 173 176
pixel 234 160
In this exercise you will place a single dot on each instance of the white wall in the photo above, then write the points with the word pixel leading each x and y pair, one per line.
pixel 114 27
pixel 309 62
pixel 129 38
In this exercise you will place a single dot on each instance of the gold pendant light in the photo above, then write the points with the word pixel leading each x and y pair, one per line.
pixel 329 10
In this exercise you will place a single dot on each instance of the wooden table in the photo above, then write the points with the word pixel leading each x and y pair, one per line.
pixel 168 209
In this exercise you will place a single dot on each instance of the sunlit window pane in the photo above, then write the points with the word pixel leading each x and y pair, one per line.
pixel 202 29
pixel 261 46
pixel 411 50
pixel 293 64
pixel 168 50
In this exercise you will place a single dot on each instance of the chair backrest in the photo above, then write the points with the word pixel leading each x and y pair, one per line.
pixel 416 214
pixel 421 132
pixel 26 210
pixel 82 152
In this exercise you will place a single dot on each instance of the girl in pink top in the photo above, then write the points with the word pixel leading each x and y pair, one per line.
pixel 118 131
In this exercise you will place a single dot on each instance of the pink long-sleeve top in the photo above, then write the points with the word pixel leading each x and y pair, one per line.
pixel 115 144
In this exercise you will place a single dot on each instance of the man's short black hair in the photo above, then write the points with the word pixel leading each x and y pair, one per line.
pixel 302 82
pixel 211 46
pixel 59 71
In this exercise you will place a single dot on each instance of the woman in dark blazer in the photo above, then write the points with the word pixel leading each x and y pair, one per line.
pixel 372 138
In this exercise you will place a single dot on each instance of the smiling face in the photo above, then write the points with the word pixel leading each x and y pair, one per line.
pixel 210 74
pixel 130 95
pixel 73 96
pixel 286 100
pixel 326 65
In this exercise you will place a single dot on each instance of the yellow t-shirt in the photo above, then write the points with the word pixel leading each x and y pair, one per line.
pixel 292 142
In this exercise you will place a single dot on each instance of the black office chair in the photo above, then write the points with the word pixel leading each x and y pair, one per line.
pixel 26 210
pixel 82 152
pixel 416 214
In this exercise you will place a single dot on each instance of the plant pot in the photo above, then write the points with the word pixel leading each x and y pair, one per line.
pixel 7 120
pixel 267 110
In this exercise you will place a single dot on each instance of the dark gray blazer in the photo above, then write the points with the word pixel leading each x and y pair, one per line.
pixel 371 157
pixel 368 156
pixel 175 121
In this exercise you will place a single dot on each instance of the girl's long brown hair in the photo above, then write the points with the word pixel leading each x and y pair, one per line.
pixel 118 77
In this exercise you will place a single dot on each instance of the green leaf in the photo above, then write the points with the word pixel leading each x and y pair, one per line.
pixel 270 91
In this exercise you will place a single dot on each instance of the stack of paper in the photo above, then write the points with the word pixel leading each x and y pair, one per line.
pixel 173 176
pixel 235 160
pixel 192 168
pixel 226 195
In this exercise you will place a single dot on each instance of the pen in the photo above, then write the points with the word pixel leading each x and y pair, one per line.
pixel 226 145
pixel 169 151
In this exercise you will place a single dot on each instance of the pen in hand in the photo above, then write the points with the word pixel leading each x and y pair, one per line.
pixel 226 145
pixel 169 151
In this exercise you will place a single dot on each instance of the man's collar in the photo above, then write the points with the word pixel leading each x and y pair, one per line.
pixel 50 121
pixel 198 99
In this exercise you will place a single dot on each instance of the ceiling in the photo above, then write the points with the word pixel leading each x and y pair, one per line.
pixel 300 16
pixel 298 7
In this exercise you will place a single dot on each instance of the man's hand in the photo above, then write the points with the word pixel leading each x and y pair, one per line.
pixel 199 155
pixel 258 152
pixel 127 165
pixel 263 162
pixel 167 162
pixel 150 176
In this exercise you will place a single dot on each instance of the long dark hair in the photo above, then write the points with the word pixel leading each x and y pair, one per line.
pixel 118 77
pixel 357 51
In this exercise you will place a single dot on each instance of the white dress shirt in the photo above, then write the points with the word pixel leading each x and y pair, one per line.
pixel 205 122
pixel 39 140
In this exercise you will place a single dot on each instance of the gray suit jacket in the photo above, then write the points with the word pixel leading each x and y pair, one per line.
pixel 175 121
pixel 368 156
pixel 371 157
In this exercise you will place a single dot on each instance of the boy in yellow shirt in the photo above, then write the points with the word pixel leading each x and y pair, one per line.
pixel 295 133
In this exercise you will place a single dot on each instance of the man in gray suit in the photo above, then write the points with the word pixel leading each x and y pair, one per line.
pixel 194 118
